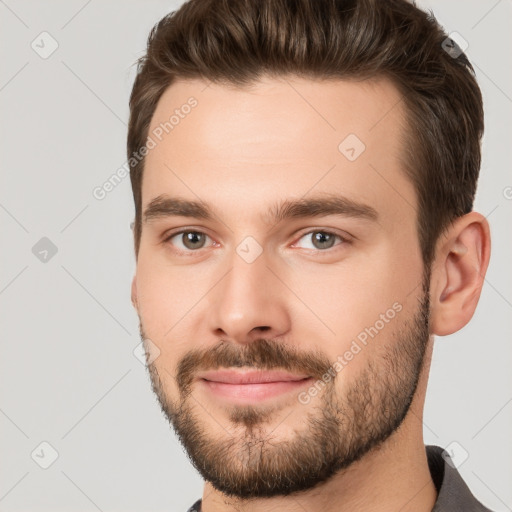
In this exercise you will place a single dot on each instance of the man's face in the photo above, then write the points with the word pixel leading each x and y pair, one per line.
pixel 332 296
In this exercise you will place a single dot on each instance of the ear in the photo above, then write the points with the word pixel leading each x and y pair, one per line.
pixel 458 272
pixel 134 293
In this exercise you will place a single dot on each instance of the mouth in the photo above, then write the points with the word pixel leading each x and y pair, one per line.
pixel 252 385
pixel 250 376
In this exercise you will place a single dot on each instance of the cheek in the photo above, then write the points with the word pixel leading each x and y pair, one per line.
pixel 164 296
pixel 350 295
pixel 163 307
pixel 357 303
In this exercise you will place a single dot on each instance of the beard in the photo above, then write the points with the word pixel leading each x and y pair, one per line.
pixel 338 427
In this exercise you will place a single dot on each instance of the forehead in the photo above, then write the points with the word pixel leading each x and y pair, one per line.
pixel 279 137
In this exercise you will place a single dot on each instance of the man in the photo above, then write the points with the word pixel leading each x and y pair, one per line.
pixel 303 175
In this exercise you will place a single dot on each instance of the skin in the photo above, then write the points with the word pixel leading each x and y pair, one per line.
pixel 242 151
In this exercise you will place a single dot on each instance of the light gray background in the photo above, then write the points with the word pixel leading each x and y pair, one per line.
pixel 68 373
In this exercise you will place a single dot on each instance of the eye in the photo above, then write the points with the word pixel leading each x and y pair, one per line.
pixel 188 240
pixel 321 240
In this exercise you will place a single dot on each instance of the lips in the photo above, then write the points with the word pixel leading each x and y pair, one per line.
pixel 250 377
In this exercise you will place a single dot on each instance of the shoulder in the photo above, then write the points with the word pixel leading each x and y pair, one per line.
pixel 453 493
pixel 196 507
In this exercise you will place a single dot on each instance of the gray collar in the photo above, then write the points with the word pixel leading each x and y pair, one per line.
pixel 452 492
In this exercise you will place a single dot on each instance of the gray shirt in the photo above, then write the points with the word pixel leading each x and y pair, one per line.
pixel 453 495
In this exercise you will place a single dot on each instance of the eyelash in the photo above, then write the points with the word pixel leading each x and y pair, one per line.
pixel 343 240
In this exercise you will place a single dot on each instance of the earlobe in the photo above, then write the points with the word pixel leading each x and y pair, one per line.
pixel 458 273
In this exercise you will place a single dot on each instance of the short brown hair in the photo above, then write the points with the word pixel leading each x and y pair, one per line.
pixel 237 41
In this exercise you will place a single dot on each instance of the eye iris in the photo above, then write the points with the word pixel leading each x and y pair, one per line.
pixel 191 238
pixel 323 240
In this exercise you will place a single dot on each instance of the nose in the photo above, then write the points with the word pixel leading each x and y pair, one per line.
pixel 249 302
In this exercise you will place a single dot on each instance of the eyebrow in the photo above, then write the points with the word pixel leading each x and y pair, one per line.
pixel 164 206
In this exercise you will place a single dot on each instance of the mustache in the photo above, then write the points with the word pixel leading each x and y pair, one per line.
pixel 260 354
